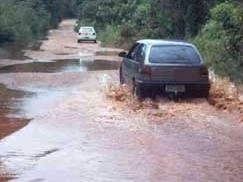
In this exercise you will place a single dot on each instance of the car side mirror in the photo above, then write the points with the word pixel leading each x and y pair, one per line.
pixel 122 54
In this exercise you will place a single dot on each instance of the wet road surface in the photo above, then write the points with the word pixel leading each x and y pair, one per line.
pixel 78 134
pixel 76 65
pixel 10 101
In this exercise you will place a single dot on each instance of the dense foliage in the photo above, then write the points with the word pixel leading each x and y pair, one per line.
pixel 162 18
pixel 22 20
pixel 215 26
pixel 221 40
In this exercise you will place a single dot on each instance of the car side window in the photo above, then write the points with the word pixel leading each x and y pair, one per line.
pixel 132 52
pixel 140 53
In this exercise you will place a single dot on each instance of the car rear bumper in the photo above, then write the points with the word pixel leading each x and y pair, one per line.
pixel 81 38
pixel 160 86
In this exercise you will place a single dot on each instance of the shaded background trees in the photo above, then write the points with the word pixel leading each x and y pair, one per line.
pixel 178 19
pixel 23 20
pixel 161 18
pixel 221 40
pixel 215 26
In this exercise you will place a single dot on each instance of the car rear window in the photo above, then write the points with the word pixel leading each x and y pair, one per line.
pixel 86 30
pixel 174 54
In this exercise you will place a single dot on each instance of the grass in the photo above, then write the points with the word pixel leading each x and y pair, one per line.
pixel 109 36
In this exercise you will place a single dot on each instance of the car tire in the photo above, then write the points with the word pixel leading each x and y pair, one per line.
pixel 79 41
pixel 137 92
pixel 95 41
pixel 200 93
pixel 205 93
pixel 175 97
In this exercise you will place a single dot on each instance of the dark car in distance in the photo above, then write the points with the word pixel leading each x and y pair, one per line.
pixel 159 67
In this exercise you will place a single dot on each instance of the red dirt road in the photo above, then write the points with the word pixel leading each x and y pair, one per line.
pixel 79 134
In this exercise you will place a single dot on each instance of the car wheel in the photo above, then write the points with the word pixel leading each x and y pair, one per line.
pixel 200 93
pixel 95 41
pixel 79 41
pixel 137 92
pixel 205 93
pixel 175 97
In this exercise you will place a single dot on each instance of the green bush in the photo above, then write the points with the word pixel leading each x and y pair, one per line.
pixel 23 21
pixel 109 36
pixel 19 21
pixel 221 41
pixel 116 20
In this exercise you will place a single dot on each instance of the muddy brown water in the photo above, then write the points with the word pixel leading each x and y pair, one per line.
pixel 11 50
pixel 15 103
pixel 74 65
pixel 12 101
pixel 10 106
pixel 78 135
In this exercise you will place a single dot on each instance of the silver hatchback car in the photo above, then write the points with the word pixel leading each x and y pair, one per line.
pixel 159 67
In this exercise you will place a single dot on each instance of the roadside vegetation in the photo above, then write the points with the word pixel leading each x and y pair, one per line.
pixel 221 40
pixel 22 21
pixel 215 26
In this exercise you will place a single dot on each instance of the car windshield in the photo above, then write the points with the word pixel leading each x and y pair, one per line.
pixel 86 30
pixel 174 54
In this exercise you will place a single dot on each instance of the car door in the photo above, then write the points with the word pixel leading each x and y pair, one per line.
pixel 138 61
pixel 128 64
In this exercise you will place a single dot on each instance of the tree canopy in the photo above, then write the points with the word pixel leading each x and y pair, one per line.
pixel 21 20
pixel 215 26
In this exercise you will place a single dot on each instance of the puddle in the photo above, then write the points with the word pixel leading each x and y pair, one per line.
pixel 107 53
pixel 11 50
pixel 14 103
pixel 74 65
pixel 10 101
pixel 42 98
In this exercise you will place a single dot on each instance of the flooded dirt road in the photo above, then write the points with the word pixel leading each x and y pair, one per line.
pixel 78 132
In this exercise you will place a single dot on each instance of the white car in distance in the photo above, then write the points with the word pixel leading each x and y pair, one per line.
pixel 86 34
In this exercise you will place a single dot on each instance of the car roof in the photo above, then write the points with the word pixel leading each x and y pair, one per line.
pixel 163 42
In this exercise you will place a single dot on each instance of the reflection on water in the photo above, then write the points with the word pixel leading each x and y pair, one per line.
pixel 11 101
pixel 75 65
pixel 42 99
pixel 10 106
pixel 29 104
pixel 11 50
pixel 40 141
pixel 42 138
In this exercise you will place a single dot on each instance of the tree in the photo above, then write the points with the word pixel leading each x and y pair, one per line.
pixel 22 20
pixel 221 40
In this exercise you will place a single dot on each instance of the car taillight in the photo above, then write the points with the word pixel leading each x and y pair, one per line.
pixel 204 71
pixel 146 70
